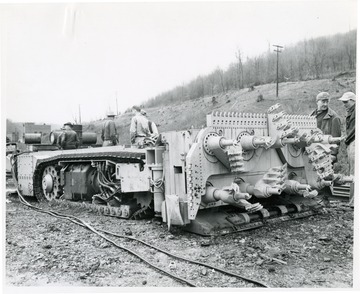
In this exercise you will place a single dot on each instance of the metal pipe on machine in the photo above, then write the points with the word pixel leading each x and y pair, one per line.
pixel 89 138
pixel 32 138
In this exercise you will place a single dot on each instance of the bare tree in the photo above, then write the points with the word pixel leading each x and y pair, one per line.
pixel 201 86
pixel 240 70
pixel 318 54
pixel 308 58
pixel 257 70
pixel 220 74
pixel 350 49
pixel 212 82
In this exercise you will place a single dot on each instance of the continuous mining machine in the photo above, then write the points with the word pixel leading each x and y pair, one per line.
pixel 239 172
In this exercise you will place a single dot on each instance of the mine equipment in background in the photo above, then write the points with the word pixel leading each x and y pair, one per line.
pixel 85 138
pixel 241 171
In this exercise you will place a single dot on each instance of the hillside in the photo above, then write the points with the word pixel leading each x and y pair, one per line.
pixel 295 98
pixel 317 58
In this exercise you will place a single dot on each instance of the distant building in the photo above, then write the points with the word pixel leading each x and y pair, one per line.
pixel 31 128
pixel 13 137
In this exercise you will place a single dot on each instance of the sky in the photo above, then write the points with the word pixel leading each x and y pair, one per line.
pixel 59 58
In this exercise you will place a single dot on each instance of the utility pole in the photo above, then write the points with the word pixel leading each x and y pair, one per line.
pixel 277 50
pixel 117 111
pixel 79 115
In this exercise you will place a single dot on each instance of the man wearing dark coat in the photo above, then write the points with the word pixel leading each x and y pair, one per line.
pixel 69 138
pixel 109 131
pixel 328 121
pixel 348 100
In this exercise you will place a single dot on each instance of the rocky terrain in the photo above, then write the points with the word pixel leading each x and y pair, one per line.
pixel 42 250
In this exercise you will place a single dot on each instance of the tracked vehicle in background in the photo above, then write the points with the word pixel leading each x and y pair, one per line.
pixel 239 172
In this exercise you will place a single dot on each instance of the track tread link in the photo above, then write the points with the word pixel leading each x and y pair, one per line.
pixel 122 211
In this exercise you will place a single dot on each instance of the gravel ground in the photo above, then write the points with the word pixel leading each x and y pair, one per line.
pixel 42 250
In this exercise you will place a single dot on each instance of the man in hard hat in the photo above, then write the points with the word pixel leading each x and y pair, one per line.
pixel 109 132
pixel 328 121
pixel 154 138
pixel 139 128
pixel 348 100
pixel 152 125
pixel 69 138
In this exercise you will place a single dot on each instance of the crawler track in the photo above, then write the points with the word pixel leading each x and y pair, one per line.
pixel 108 210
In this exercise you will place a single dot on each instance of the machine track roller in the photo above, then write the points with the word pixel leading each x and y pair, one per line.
pixel 50 183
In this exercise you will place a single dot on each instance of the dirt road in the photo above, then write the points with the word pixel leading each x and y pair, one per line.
pixel 42 250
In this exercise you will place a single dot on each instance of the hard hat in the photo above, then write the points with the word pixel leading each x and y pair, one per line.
pixel 348 96
pixel 137 108
pixel 322 96
pixel 68 124
pixel 110 113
